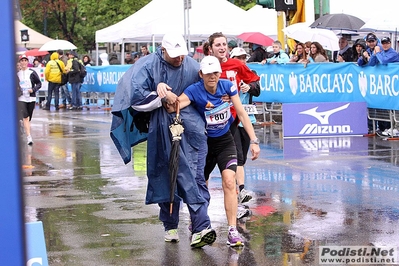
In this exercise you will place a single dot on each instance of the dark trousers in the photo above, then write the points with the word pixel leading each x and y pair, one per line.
pixel 198 212
pixel 53 87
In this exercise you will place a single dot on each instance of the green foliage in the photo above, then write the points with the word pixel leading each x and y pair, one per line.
pixel 76 20
pixel 266 3
pixel 244 4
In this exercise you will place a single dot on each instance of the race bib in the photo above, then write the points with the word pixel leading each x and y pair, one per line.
pixel 218 117
pixel 250 109
pixel 25 85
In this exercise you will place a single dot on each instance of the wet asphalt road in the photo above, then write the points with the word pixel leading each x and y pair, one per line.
pixel 308 193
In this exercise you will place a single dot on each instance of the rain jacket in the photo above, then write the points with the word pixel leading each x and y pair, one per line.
pixel 385 57
pixel 281 58
pixel 52 72
pixel 137 88
pixel 355 55
pixel 373 59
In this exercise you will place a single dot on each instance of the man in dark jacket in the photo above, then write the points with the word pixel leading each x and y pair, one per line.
pixel 345 52
pixel 357 49
pixel 65 95
pixel 75 80
pixel 113 59
pixel 258 53
pixel 159 78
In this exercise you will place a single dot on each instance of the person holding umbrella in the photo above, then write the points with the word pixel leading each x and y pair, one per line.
pixel 345 53
pixel 151 83
pixel 258 53
pixel 207 96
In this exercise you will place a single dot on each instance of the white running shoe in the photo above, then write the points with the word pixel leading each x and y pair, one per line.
pixel 244 196
pixel 30 141
pixel 171 236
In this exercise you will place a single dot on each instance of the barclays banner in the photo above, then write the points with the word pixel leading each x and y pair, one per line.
pixel 103 78
pixel 294 83
pixel 330 82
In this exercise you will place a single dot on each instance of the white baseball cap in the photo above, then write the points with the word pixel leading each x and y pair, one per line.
pixel 210 64
pixel 238 51
pixel 174 44
pixel 23 57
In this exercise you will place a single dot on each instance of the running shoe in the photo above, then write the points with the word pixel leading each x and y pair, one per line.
pixel 29 140
pixel 205 237
pixel 244 196
pixel 390 132
pixel 171 236
pixel 234 239
pixel 242 211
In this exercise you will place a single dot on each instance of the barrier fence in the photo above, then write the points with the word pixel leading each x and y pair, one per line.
pixel 378 86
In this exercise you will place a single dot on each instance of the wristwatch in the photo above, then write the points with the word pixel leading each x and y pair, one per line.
pixel 255 141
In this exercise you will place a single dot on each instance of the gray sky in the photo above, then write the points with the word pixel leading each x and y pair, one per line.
pixel 365 9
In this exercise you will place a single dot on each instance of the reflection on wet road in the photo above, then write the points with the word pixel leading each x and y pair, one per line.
pixel 308 193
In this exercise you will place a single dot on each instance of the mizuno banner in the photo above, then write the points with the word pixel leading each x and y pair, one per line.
pixel 324 119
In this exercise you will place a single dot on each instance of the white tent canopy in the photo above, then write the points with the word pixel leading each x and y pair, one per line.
pixel 158 17
pixel 262 20
pixel 36 39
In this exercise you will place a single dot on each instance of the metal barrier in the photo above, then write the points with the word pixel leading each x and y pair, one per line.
pixel 267 113
pixel 273 109
pixel 90 100
pixel 381 115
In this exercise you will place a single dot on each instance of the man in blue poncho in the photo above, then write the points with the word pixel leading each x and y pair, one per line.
pixel 139 114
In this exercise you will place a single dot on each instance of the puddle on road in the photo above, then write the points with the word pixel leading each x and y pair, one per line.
pixel 308 193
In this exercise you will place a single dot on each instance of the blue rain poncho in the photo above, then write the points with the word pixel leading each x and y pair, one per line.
pixel 137 88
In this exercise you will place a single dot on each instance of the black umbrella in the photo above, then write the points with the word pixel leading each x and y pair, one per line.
pixel 338 22
pixel 176 128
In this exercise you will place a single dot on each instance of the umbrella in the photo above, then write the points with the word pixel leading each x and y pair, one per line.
pixel 326 38
pixel 338 22
pixel 200 49
pixel 35 52
pixel 294 27
pixel 176 128
pixel 54 45
pixel 256 37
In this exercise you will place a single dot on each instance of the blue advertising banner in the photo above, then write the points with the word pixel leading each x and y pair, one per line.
pixel 294 83
pixel 103 78
pixel 330 82
pixel 11 197
pixel 36 245
pixel 324 119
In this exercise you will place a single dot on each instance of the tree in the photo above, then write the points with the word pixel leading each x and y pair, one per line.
pixel 76 20
pixel 244 4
